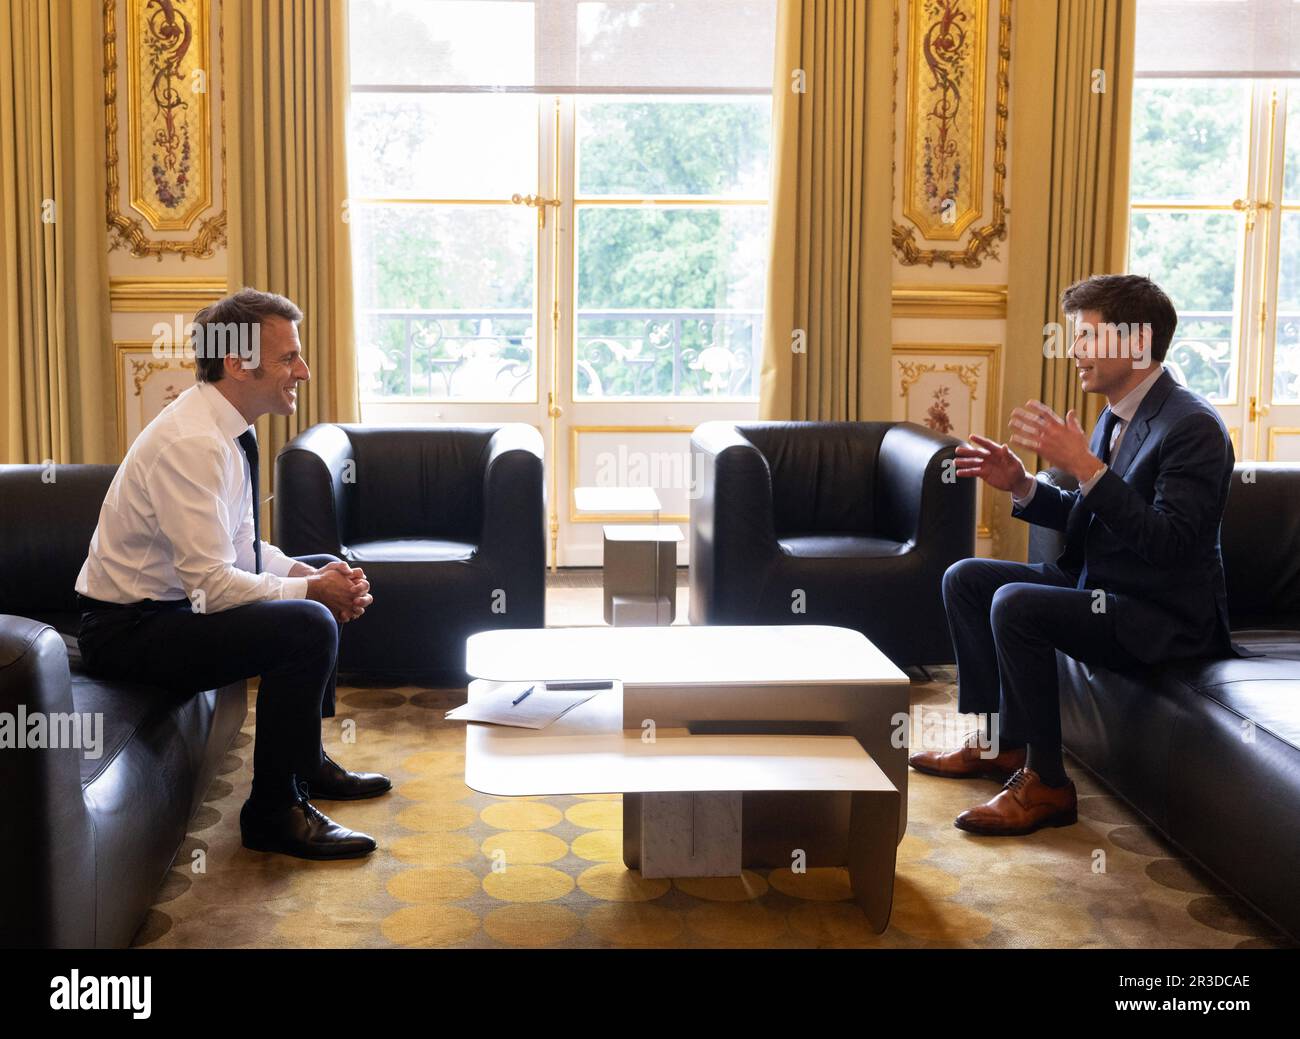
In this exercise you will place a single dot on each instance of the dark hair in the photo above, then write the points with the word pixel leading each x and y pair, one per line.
pixel 240 310
pixel 1126 299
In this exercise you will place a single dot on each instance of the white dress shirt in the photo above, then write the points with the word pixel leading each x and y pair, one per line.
pixel 177 522
pixel 1124 410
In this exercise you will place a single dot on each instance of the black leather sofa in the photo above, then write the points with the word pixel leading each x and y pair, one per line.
pixel 1209 750
pixel 852 522
pixel 448 523
pixel 86 841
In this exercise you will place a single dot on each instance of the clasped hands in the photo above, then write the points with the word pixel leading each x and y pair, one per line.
pixel 342 588
pixel 1061 442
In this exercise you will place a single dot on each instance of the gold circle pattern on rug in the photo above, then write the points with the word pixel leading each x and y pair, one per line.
pixel 819 884
pixel 939 921
pixel 525 883
pixel 1140 840
pixel 437 700
pixel 217 790
pixel 524 847
pixel 925 882
pixel 1104 809
pixel 436 816
pixel 614 882
pixel 429 926
pixel 434 884
pixel 434 849
pixel 174 885
pixel 521 815
pixel 634 924
pixel 596 815
pixel 156 924
pixel 599 846
pixel 435 788
pixel 1228 915
pixel 736 923
pixel 600 797
pixel 831 924
pixel 229 763
pixel 744 888
pixel 533 926
pixel 1179 875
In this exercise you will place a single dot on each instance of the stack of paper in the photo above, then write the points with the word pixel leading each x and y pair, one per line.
pixel 507 705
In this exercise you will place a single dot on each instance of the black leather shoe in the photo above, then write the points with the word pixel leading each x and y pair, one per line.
pixel 301 830
pixel 335 783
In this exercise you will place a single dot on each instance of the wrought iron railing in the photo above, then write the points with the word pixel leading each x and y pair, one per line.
pixel 490 355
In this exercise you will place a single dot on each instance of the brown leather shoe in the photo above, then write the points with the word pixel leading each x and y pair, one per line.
pixel 965 762
pixel 1023 805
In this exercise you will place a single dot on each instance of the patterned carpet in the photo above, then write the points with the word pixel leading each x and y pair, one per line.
pixel 432 883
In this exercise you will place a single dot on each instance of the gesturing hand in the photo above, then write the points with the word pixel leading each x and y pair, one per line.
pixel 994 463
pixel 1061 441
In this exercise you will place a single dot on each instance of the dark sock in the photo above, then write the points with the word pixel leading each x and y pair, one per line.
pixel 1047 762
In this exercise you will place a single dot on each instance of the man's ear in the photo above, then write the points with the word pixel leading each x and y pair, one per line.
pixel 233 366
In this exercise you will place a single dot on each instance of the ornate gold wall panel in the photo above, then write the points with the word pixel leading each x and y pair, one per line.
pixel 164 295
pixel 944 142
pixel 950 301
pixel 170 152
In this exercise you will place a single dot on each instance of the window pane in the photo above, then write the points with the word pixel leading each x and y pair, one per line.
pixel 464 42
pixel 670 301
pixel 1286 356
pixel 444 298
pixel 674 147
pixel 1194 257
pixel 1189 140
pixel 442 145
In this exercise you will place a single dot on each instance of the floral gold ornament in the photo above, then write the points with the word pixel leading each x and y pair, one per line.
pixel 168 127
pixel 943 149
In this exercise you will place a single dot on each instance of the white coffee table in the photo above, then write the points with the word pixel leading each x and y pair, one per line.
pixel 690 788
pixel 786 680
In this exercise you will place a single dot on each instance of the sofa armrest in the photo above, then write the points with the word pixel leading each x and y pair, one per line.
pixel 733 527
pixel 513 538
pixel 310 505
pixel 919 498
pixel 47 872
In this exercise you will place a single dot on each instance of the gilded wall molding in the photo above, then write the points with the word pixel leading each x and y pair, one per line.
pixel 950 301
pixel 130 232
pixel 143 295
pixel 937 31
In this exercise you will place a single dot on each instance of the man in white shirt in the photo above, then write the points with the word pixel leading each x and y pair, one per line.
pixel 1141 578
pixel 179 590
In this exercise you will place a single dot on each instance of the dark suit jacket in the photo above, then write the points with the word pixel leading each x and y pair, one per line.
pixel 1149 528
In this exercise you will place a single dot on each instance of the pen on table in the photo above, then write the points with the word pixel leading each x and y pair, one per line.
pixel 521 696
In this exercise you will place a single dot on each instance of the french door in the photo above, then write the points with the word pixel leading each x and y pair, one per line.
pixel 594 266
pixel 1215 220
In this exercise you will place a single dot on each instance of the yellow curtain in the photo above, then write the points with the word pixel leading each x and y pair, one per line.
pixel 1072 95
pixel 828 286
pixel 57 349
pixel 286 112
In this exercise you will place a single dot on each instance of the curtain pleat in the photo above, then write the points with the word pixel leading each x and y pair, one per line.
pixel 1069 189
pixel 830 262
pixel 58 396
pixel 286 64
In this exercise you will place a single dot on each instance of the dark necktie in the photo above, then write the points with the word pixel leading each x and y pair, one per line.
pixel 1107 431
pixel 248 441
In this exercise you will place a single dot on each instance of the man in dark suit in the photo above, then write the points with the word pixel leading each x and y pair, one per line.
pixel 1141 578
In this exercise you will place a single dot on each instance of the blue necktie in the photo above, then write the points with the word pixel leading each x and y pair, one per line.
pixel 248 441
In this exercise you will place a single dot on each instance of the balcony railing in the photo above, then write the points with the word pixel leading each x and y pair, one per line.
pixel 491 355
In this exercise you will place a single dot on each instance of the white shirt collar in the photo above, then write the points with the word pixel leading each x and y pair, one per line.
pixel 1128 406
pixel 227 416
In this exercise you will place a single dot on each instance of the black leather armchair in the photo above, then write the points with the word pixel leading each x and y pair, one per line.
pixel 1209 750
pixel 86 840
pixel 447 521
pixel 843 523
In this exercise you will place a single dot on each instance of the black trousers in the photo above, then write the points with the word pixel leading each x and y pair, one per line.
pixel 1007 621
pixel 291 644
